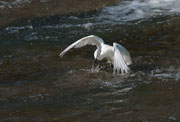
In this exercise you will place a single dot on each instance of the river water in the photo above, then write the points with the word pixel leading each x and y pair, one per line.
pixel 37 85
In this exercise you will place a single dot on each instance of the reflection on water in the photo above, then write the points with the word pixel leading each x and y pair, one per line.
pixel 37 85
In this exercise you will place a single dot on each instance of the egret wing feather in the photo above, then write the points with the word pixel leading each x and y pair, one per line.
pixel 88 40
pixel 119 61
pixel 125 54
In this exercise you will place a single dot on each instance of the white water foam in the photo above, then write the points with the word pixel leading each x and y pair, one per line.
pixel 15 2
pixel 139 9
pixel 128 10
pixel 169 73
pixel 124 13
pixel 15 29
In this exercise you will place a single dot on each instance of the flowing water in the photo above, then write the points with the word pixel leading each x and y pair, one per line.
pixel 37 85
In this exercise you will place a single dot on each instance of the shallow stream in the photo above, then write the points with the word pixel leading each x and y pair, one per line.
pixel 37 85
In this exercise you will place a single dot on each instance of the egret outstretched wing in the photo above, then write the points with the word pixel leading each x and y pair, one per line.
pixel 120 62
pixel 125 54
pixel 88 40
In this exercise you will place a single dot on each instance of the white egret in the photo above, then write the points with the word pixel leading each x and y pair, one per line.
pixel 117 55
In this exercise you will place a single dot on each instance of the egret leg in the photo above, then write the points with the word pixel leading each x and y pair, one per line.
pixel 94 64
pixel 111 65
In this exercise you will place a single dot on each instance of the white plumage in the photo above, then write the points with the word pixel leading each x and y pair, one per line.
pixel 117 55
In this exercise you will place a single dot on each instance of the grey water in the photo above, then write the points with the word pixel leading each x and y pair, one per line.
pixel 37 85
